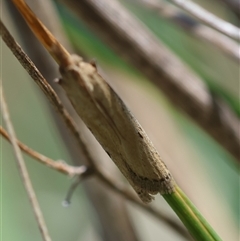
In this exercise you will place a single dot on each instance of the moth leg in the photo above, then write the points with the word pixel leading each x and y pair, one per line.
pixel 143 195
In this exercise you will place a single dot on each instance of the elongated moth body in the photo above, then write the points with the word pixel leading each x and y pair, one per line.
pixel 106 116
pixel 116 129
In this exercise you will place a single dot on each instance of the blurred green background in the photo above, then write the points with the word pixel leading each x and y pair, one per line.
pixel 202 168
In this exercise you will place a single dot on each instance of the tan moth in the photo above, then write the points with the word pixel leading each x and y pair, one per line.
pixel 115 128
pixel 107 117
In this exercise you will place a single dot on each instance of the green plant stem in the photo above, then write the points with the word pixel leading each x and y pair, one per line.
pixel 197 226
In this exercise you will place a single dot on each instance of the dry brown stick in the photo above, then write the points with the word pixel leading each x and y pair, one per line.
pixel 122 191
pixel 195 28
pixel 209 18
pixel 36 75
pixel 134 42
pixel 23 169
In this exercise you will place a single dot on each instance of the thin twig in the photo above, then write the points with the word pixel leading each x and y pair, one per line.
pixel 134 42
pixel 57 165
pixel 23 169
pixel 36 75
pixel 122 191
pixel 195 28
pixel 209 18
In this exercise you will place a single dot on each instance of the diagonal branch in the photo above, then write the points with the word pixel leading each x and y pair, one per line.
pixel 23 169
pixel 134 42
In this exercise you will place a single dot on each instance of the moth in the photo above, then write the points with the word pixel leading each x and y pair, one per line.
pixel 106 116
pixel 112 124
